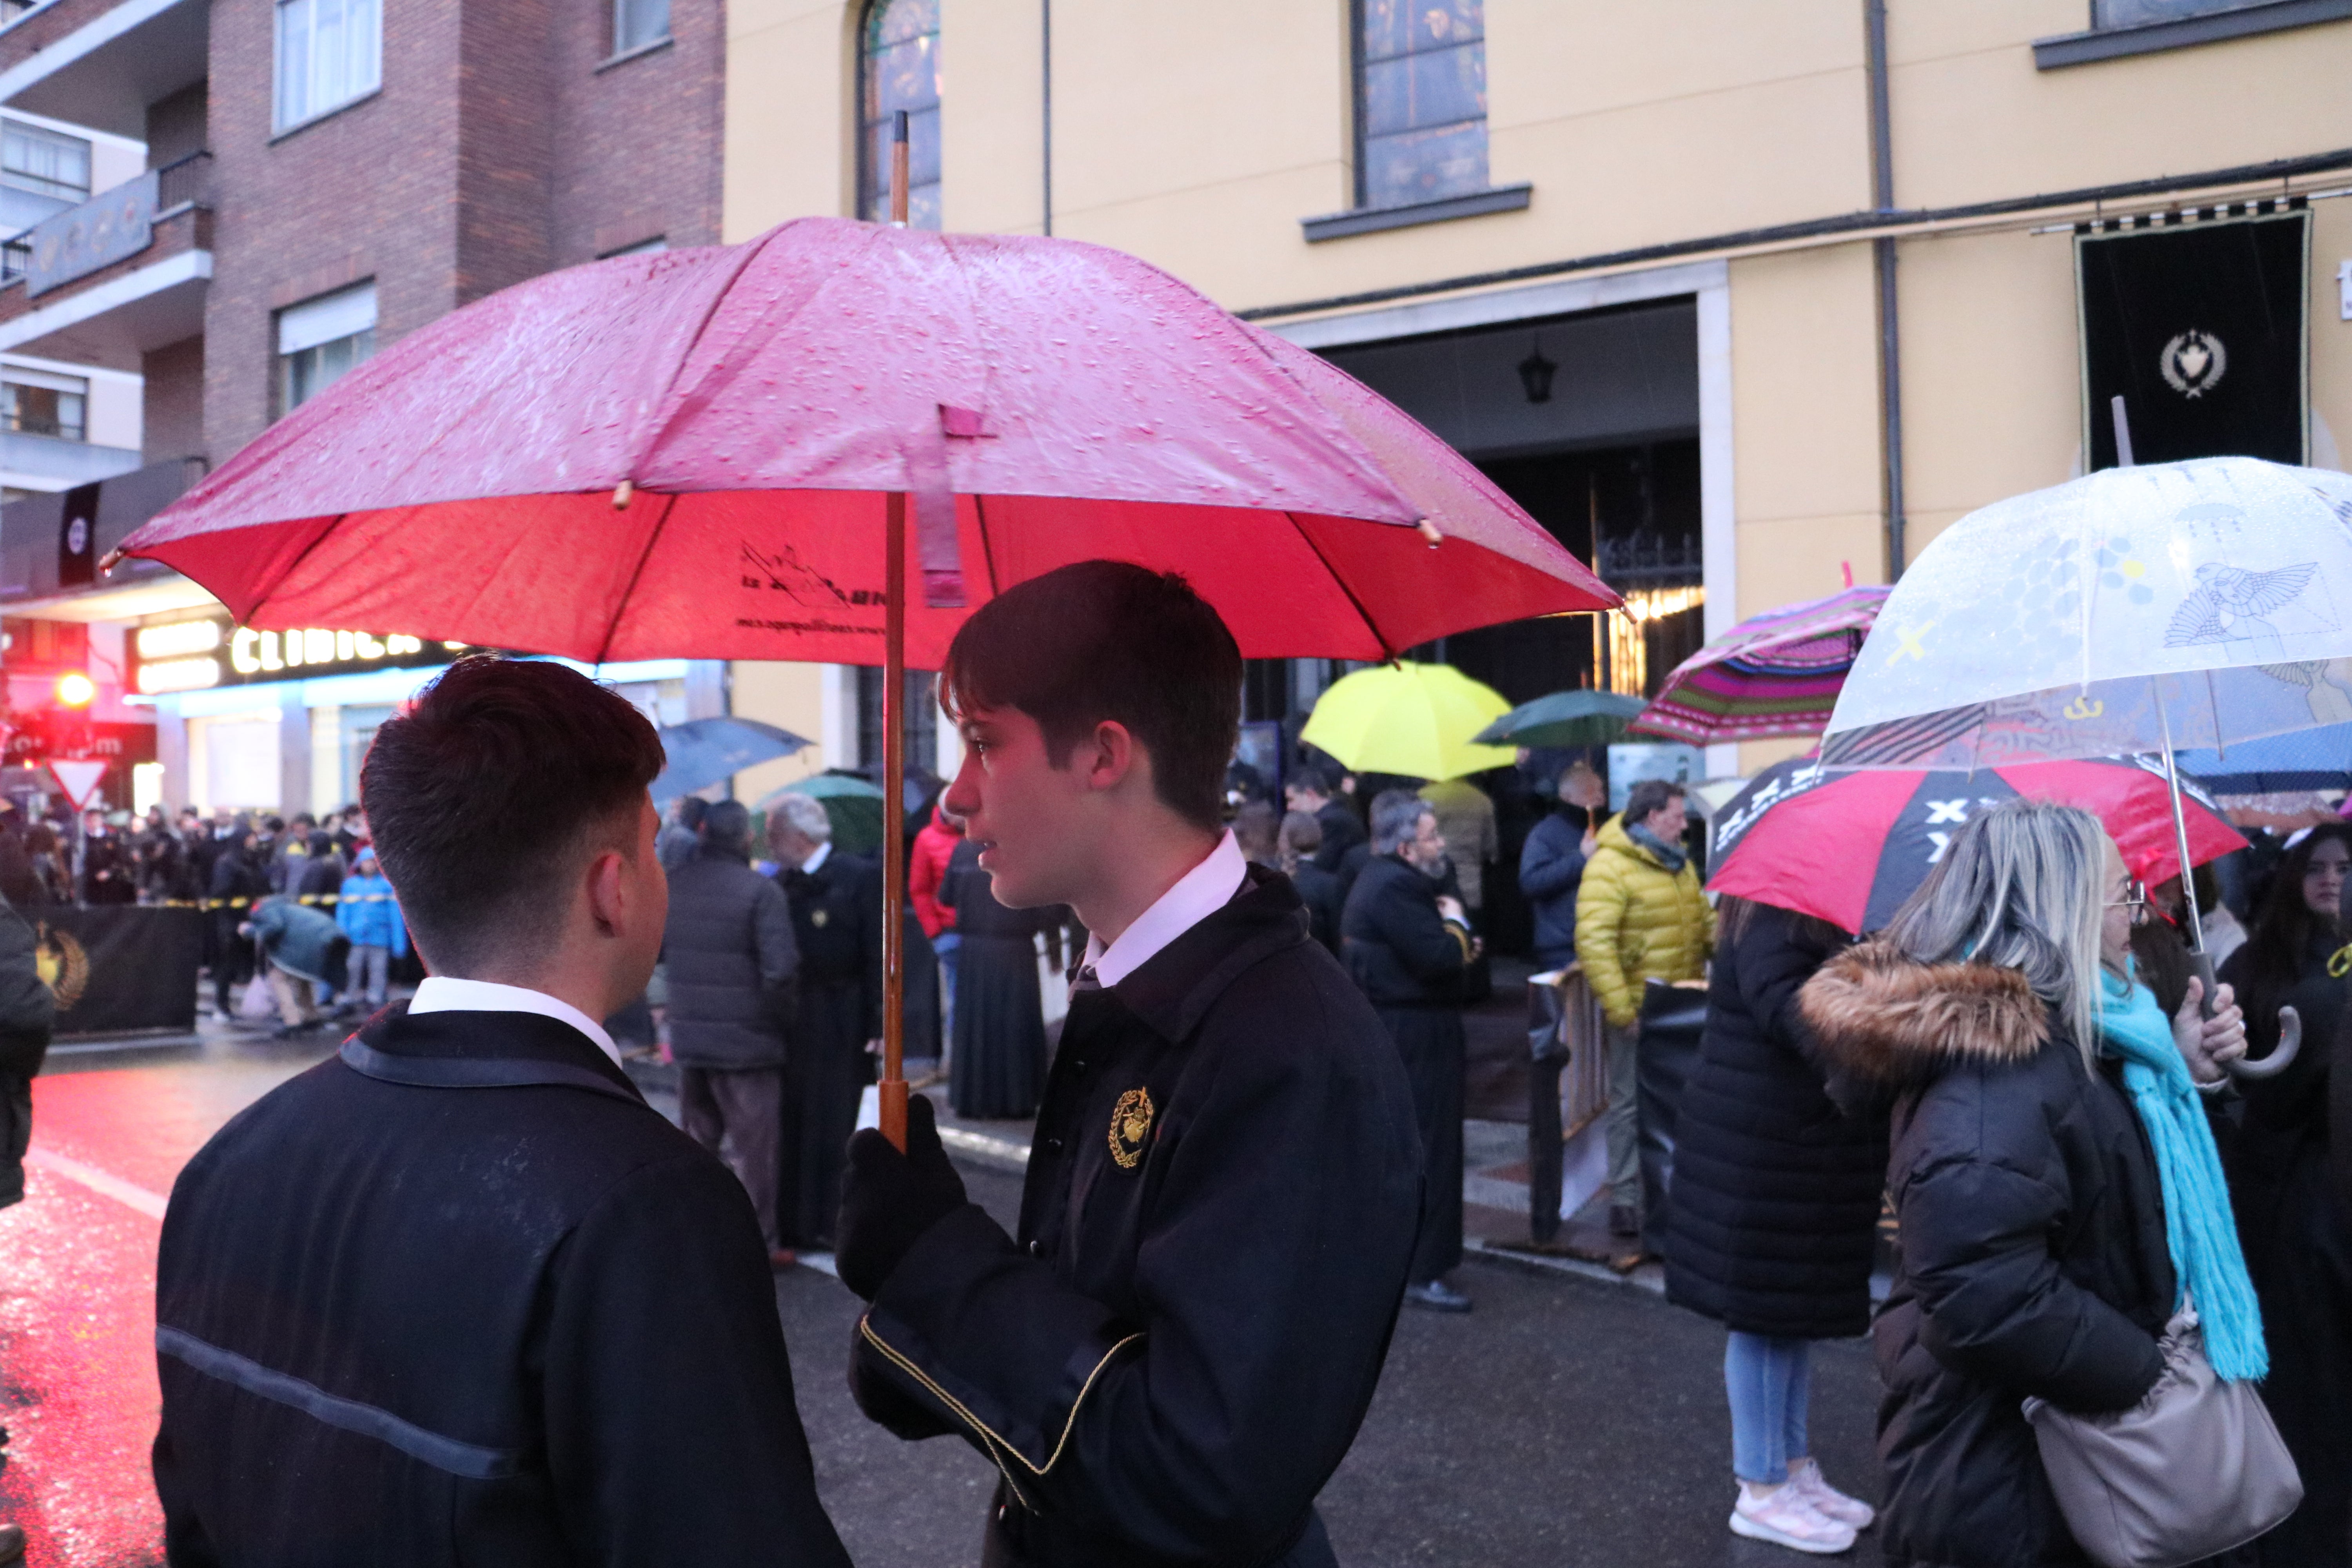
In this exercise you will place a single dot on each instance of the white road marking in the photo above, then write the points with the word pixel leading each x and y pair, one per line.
pixel 104 1183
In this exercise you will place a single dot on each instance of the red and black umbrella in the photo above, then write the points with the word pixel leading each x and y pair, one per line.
pixel 1851 844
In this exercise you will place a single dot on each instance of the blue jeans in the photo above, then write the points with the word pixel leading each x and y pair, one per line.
pixel 1767 1380
pixel 945 946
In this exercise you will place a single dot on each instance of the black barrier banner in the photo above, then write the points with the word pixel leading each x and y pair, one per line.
pixel 114 970
pixel 2200 328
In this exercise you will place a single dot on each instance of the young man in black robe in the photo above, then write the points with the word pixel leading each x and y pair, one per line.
pixel 1173 1355
pixel 457 1294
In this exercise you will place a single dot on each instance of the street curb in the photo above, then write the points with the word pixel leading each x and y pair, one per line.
pixel 1476 1249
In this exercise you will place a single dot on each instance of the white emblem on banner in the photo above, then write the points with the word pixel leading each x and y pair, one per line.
pixel 2193 363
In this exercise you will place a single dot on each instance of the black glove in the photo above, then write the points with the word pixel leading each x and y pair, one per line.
pixel 890 1199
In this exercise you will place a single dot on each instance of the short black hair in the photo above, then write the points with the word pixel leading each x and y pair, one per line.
pixel 1649 795
pixel 485 796
pixel 728 826
pixel 1100 640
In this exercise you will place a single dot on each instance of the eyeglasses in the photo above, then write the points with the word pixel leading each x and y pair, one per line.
pixel 2135 899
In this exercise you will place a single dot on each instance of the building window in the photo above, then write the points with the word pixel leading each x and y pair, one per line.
pixel 918 726
pixel 42 173
pixel 329 53
pixel 35 403
pixel 899 68
pixel 1421 100
pixel 639 23
pixel 320 340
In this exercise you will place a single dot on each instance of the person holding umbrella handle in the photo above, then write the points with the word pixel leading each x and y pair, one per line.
pixel 1170 1355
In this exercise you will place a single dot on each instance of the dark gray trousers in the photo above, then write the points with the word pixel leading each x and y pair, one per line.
pixel 737 1114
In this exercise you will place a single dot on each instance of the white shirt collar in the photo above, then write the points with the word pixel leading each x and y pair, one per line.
pixel 814 861
pixel 1198 894
pixel 443 993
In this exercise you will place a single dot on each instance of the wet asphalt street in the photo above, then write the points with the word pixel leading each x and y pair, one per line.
pixel 1562 1422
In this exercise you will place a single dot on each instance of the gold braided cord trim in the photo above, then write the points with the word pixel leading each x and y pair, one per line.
pixel 867 1328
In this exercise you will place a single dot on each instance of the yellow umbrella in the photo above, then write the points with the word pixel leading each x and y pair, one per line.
pixel 1410 718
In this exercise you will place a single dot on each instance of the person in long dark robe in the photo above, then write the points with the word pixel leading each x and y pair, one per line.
pixel 836 900
pixel 1409 948
pixel 457 1294
pixel 2296 1230
pixel 997 1068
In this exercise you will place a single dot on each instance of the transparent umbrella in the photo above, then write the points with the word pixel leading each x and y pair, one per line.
pixel 2198 603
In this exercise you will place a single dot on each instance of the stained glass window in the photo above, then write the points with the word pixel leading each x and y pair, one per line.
pixel 901 68
pixel 1421 100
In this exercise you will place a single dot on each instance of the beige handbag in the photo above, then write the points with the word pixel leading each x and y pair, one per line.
pixel 2193 1470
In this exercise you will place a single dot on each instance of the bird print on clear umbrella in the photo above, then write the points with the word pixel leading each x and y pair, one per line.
pixel 2229 604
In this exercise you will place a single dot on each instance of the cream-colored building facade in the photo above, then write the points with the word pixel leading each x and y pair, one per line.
pixel 1723 154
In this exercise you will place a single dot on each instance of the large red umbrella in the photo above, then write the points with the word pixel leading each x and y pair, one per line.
pixel 1851 844
pixel 708 454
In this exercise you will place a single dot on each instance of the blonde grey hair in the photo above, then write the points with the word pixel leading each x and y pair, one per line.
pixel 807 815
pixel 2022 887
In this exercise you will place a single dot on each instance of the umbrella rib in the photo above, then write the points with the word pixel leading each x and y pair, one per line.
pixel 751 253
pixel 987 550
pixel 293 565
pixel 1387 653
pixel 653 537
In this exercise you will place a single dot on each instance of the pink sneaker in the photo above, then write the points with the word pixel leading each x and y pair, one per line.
pixel 1827 1501
pixel 1785 1517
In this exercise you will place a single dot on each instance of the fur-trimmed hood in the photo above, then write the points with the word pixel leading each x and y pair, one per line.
pixel 1883 1017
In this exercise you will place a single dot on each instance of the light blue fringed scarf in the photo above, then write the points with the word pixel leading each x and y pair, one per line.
pixel 2198 1227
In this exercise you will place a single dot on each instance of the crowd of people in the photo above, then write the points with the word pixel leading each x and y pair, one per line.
pixel 1247 1149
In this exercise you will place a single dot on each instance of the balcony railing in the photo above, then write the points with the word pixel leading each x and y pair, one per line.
pixel 107 228
pixel 185 182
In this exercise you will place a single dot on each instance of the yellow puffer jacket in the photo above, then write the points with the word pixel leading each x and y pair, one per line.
pixel 1635 920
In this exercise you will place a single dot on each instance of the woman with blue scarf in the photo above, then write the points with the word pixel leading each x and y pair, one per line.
pixel 2053 1172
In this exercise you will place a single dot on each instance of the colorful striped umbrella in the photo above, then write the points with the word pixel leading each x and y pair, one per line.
pixel 1772 676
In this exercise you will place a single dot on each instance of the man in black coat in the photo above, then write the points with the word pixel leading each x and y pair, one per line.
pixel 1409 946
pixel 457 1294
pixel 27 1011
pixel 837 904
pixel 731 961
pixel 1172 1353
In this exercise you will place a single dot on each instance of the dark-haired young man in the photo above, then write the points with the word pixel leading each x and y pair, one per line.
pixel 458 1295
pixel 1173 1355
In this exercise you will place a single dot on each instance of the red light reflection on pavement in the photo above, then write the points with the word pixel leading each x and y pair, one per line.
pixel 78 1388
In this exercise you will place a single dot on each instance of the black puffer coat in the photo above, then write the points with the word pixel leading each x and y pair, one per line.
pixel 2034 1259
pixel 729 955
pixel 1774 1208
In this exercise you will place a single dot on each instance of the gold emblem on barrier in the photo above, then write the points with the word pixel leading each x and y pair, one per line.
pixel 1130 1125
pixel 62 964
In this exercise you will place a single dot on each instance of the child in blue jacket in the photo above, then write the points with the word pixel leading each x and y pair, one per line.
pixel 370 918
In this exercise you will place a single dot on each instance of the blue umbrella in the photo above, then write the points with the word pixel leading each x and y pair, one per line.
pixel 704 752
pixel 2299 760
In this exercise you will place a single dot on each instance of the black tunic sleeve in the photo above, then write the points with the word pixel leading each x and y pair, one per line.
pixel 1198 1422
pixel 669 1441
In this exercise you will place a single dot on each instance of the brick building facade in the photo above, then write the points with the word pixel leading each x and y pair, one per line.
pixel 323 177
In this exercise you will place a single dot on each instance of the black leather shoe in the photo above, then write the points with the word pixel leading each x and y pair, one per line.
pixel 1436 1296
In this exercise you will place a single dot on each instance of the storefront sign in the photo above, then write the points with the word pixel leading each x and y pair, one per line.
pixel 197 655
pixel 2201 330
pixel 41 736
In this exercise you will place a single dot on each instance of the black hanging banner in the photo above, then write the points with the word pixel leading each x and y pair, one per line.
pixel 2200 328
pixel 78 537
pixel 118 971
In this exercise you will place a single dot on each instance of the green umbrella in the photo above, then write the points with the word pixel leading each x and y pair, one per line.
pixel 854 806
pixel 1565 719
